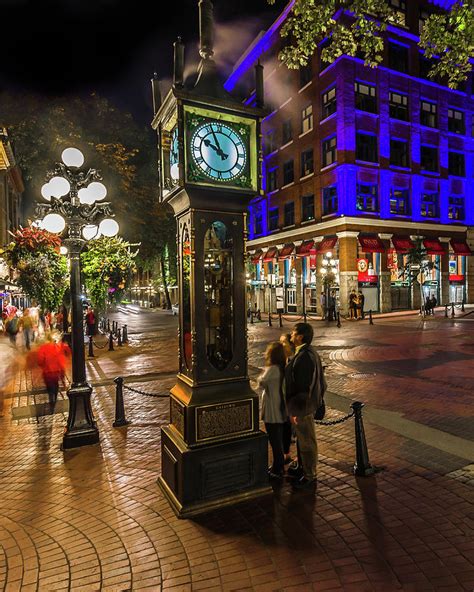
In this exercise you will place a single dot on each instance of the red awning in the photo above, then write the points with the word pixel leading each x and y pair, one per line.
pixel 327 244
pixel 460 247
pixel 255 258
pixel 305 248
pixel 433 246
pixel 371 244
pixel 402 244
pixel 270 254
pixel 286 251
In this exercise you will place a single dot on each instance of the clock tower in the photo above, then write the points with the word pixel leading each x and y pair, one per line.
pixel 213 452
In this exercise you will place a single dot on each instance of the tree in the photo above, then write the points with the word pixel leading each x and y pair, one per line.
pixel 448 36
pixel 107 267
pixel 41 271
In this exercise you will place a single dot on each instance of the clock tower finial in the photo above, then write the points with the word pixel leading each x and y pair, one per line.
pixel 206 29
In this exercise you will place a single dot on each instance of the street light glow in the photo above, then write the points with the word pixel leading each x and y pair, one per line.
pixel 97 190
pixel 72 157
pixel 54 223
pixel 46 192
pixel 85 196
pixel 90 231
pixel 59 186
pixel 109 227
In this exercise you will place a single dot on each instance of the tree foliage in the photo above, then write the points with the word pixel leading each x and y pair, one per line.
pixel 448 36
pixel 40 270
pixel 107 267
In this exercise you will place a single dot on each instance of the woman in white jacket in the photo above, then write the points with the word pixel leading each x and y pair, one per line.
pixel 273 403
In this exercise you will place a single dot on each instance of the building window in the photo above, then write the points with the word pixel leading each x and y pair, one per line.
pixel 424 67
pixel 306 74
pixel 430 205
pixel 399 202
pixel 330 200
pixel 307 207
pixel 272 180
pixel 456 121
pixel 423 16
pixel 398 13
pixel 329 103
pixel 307 165
pixel 429 159
pixel 365 97
pixel 258 223
pixel 399 153
pixel 288 172
pixel 456 164
pixel 289 213
pixel 428 113
pixel 287 134
pixel 366 147
pixel 269 143
pixel 307 119
pixel 273 219
pixel 398 57
pixel 367 198
pixel 456 208
pixel 399 106
pixel 329 151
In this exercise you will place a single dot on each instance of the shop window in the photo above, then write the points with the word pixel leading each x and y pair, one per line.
pixel 429 159
pixel 428 114
pixel 269 142
pixel 273 219
pixel 366 147
pixel 258 223
pixel 272 180
pixel 306 74
pixel 456 121
pixel 289 214
pixel 398 57
pixel 307 119
pixel 365 97
pixel 399 106
pixel 330 204
pixel 307 162
pixel 287 133
pixel 456 208
pixel 456 164
pixel 367 198
pixel 400 202
pixel 288 172
pixel 329 102
pixel 329 151
pixel 430 205
pixel 399 153
pixel 307 207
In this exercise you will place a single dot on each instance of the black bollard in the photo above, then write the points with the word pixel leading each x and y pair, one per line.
pixel 119 337
pixel 371 322
pixel 362 465
pixel 446 310
pixel 120 419
pixel 452 310
pixel 251 317
pixel 111 341
pixel 108 325
pixel 338 321
pixel 280 320
pixel 125 334
pixel 269 319
pixel 305 319
pixel 462 305
pixel 91 347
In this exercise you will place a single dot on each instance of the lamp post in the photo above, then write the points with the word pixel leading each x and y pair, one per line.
pixel 328 272
pixel 72 194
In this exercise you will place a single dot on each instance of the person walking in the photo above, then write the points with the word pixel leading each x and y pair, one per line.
pixel 273 404
pixel 288 431
pixel 27 324
pixel 11 327
pixel 322 302
pixel 360 305
pixel 353 304
pixel 51 358
pixel 90 322
pixel 305 387
pixel 332 307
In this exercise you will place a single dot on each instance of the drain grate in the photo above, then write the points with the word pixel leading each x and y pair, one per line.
pixel 362 375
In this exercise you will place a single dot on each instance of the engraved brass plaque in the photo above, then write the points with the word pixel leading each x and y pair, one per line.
pixel 177 415
pixel 224 420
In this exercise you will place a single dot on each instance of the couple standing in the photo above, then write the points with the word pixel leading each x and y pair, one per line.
pixel 293 388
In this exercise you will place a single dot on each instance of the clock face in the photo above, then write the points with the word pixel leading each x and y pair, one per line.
pixel 174 155
pixel 218 150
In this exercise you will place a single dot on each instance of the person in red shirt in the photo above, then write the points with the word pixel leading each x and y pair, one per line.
pixel 52 359
pixel 90 322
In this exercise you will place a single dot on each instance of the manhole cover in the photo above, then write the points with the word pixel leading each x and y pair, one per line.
pixel 362 375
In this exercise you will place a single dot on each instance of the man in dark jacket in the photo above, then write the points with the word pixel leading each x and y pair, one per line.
pixel 305 387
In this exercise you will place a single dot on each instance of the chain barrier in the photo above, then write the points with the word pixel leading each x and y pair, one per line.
pixel 331 422
pixel 100 346
pixel 139 392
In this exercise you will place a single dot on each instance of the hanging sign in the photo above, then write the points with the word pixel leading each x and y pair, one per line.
pixel 279 300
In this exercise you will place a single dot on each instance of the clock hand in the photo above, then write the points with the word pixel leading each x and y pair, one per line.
pixel 216 149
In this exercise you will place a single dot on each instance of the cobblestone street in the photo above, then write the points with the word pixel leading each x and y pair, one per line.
pixel 95 519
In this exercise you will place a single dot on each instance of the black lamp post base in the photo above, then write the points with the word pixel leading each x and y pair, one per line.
pixel 81 428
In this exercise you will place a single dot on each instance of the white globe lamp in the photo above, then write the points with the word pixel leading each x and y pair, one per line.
pixel 97 190
pixel 109 227
pixel 90 231
pixel 59 186
pixel 72 157
pixel 85 196
pixel 54 223
pixel 63 250
pixel 46 192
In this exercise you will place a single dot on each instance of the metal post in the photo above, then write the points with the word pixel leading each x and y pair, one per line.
pixel 111 341
pixel 462 305
pixel 91 347
pixel 125 334
pixel 362 466
pixel 119 337
pixel 446 310
pixel 120 419
pixel 251 316
pixel 452 310
pixel 269 319
pixel 338 320
pixel 108 325
pixel 304 299
pixel 280 321
pixel 371 322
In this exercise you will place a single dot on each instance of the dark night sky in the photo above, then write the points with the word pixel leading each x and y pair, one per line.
pixel 113 46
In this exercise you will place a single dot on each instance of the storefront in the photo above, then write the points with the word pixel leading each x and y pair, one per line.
pixel 457 270
pixel 368 270
pixel 431 276
pixel 307 253
pixel 397 260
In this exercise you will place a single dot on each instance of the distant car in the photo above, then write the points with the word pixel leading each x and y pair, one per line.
pixel 175 309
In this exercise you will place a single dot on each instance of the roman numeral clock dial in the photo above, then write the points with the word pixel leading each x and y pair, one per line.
pixel 219 151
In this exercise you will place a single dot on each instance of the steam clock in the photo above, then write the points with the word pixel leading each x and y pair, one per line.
pixel 213 452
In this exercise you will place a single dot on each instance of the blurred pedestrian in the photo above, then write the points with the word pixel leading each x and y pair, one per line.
pixel 332 306
pixel 360 305
pixel 353 304
pixel 26 325
pixel 322 302
pixel 90 321
pixel 273 404
pixel 12 327
pixel 288 431
pixel 52 358
pixel 9 365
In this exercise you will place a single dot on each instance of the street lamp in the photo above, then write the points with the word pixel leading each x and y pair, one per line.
pixel 72 195
pixel 328 272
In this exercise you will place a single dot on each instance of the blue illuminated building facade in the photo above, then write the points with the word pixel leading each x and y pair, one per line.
pixel 362 163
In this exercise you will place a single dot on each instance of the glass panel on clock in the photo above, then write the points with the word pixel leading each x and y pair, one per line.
pixel 218 296
pixel 186 343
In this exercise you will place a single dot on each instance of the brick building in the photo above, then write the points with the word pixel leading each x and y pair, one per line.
pixel 362 163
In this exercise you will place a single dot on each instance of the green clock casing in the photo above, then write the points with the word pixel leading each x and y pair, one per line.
pixel 221 149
